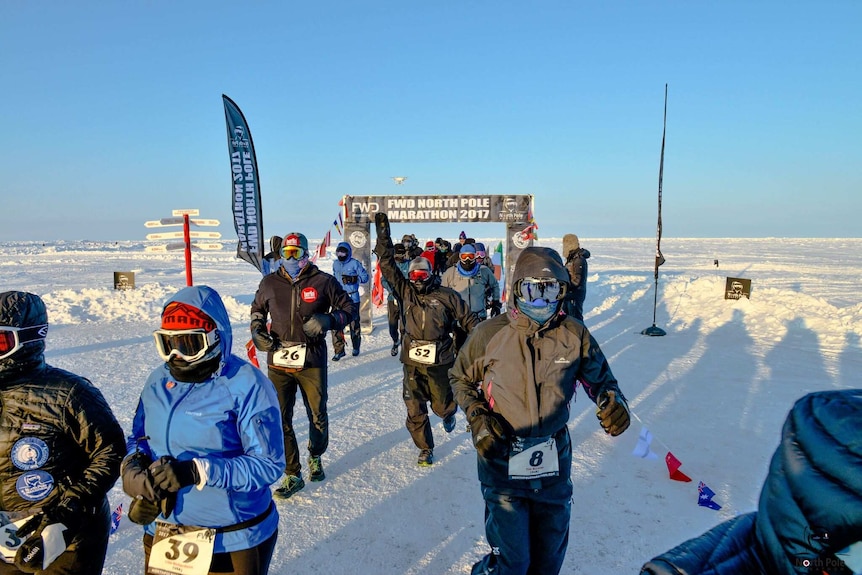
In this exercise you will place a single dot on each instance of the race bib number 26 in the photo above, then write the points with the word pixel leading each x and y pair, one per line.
pixel 292 356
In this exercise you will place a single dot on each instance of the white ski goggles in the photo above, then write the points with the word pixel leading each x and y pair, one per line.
pixel 13 338
pixel 548 289
pixel 187 344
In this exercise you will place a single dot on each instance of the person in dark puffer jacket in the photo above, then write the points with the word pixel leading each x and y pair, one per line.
pixel 810 508
pixel 60 451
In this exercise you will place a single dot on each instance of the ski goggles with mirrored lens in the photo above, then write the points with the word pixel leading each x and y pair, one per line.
pixel 12 338
pixel 467 258
pixel 419 275
pixel 548 289
pixel 187 344
pixel 293 252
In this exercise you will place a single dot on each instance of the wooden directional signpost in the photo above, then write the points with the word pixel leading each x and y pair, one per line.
pixel 183 218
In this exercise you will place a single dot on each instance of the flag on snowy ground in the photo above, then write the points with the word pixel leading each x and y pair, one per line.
pixel 339 224
pixel 673 465
pixel 642 449
pixel 705 495
pixel 115 518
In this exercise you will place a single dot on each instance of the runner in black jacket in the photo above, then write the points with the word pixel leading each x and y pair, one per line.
pixel 303 304
pixel 430 313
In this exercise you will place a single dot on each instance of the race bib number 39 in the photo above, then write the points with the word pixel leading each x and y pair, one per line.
pixel 187 551
pixel 533 457
pixel 292 356
pixel 423 352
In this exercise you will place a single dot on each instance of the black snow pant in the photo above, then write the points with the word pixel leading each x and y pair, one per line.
pixel 338 340
pixel 421 386
pixel 394 319
pixel 312 384
pixel 527 530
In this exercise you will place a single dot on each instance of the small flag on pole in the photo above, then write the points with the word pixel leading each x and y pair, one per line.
pixel 115 518
pixel 705 495
pixel 339 225
pixel 497 256
pixel 673 465
pixel 642 449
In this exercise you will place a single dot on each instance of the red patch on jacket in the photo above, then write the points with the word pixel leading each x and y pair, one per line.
pixel 308 295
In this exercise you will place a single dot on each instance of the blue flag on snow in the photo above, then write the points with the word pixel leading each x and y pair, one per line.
pixel 705 495
pixel 115 518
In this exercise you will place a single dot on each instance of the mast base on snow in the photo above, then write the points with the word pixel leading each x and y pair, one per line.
pixel 654 331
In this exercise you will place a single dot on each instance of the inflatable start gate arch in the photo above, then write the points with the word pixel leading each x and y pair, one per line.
pixel 513 211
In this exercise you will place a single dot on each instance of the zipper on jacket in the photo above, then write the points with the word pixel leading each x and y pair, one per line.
pixel 171 417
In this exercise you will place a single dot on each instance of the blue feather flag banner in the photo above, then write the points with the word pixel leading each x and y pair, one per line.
pixel 245 189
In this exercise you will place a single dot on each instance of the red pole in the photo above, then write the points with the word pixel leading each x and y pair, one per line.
pixel 188 242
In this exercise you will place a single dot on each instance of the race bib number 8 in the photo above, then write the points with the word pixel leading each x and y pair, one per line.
pixel 189 552
pixel 533 457
pixel 423 352
pixel 292 356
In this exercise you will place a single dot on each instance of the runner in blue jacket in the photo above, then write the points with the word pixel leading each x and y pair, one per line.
pixel 350 273
pixel 206 441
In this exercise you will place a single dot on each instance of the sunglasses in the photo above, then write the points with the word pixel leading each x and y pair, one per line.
pixel 467 258
pixel 293 252
pixel 13 338
pixel 548 289
pixel 187 344
pixel 419 275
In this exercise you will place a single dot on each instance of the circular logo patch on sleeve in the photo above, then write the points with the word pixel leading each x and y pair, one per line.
pixel 35 485
pixel 29 453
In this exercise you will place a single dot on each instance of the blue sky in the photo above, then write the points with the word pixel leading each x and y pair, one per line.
pixel 113 113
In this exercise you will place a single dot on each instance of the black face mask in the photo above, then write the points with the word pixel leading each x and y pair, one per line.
pixel 196 372
pixel 342 257
pixel 467 267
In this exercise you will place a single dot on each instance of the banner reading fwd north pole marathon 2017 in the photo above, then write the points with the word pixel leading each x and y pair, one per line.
pixel 245 191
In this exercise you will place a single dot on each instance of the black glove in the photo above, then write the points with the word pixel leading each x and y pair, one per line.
pixel 613 412
pixel 170 475
pixel 44 537
pixel 381 226
pixel 137 481
pixel 263 340
pixel 349 280
pixel 142 512
pixel 496 307
pixel 317 325
pixel 489 435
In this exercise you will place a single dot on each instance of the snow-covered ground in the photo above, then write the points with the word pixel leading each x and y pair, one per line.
pixel 714 391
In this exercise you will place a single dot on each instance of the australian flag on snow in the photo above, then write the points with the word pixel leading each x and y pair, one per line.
pixel 116 515
pixel 705 495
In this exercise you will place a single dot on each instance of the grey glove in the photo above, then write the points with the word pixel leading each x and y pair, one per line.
pixel 317 325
